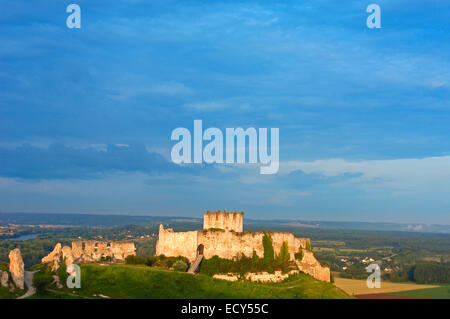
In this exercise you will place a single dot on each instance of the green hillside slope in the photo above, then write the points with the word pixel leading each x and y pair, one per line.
pixel 126 281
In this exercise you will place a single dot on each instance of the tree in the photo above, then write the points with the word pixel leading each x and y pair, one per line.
pixel 308 245
pixel 41 281
pixel 62 271
pixel 284 252
pixel 268 249
pixel 427 273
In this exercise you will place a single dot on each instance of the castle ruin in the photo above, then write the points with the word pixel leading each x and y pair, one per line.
pixel 223 235
pixel 88 251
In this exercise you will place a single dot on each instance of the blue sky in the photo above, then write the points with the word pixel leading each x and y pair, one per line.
pixel 86 114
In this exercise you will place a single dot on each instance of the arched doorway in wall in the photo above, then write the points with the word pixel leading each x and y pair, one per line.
pixel 200 249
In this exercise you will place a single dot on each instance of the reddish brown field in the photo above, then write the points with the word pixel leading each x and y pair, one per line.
pixel 383 296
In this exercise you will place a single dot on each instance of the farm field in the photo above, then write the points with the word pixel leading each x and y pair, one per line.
pixel 359 287
pixel 441 292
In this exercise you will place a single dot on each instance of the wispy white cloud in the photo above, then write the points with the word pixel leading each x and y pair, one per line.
pixel 429 174
pixel 172 88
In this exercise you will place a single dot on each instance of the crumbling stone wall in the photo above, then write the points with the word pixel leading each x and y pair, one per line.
pixel 88 251
pixel 222 236
pixel 121 250
pixel 177 244
pixel 224 220
pixel 311 266
pixel 225 244
pixel 228 244
pixel 93 250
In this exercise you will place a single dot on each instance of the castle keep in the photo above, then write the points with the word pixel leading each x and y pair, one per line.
pixel 223 235
pixel 225 221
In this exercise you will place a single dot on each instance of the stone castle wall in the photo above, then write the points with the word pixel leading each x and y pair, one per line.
pixel 222 236
pixel 93 250
pixel 88 251
pixel 225 244
pixel 223 220
pixel 311 266
pixel 177 244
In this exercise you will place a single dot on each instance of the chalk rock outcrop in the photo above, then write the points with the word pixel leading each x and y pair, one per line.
pixel 264 276
pixel 67 255
pixel 16 268
pixel 311 266
pixel 58 255
pixel 53 258
pixel 57 282
pixel 4 278
pixel 277 276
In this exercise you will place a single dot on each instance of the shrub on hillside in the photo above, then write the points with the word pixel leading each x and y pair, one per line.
pixel 4 266
pixel 42 281
pixel 180 265
pixel 105 258
pixel 135 260
pixel 62 272
pixel 299 255
pixel 162 261
pixel 308 245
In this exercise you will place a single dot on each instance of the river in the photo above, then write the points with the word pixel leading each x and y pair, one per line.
pixel 22 237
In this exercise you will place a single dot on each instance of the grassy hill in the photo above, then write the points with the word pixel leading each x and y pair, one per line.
pixel 6 294
pixel 126 281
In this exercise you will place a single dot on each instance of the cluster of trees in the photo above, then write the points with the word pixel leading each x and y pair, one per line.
pixel 179 263
pixel 354 272
pixel 43 278
pixel 428 273
pixel 422 273
pixel 243 264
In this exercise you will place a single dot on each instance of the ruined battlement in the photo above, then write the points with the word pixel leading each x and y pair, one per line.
pixel 88 251
pixel 223 236
pixel 93 250
pixel 224 220
pixel 223 243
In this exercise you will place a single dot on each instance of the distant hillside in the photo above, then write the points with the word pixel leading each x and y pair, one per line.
pixel 86 219
pixel 126 281
pixel 196 223
pixel 443 229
